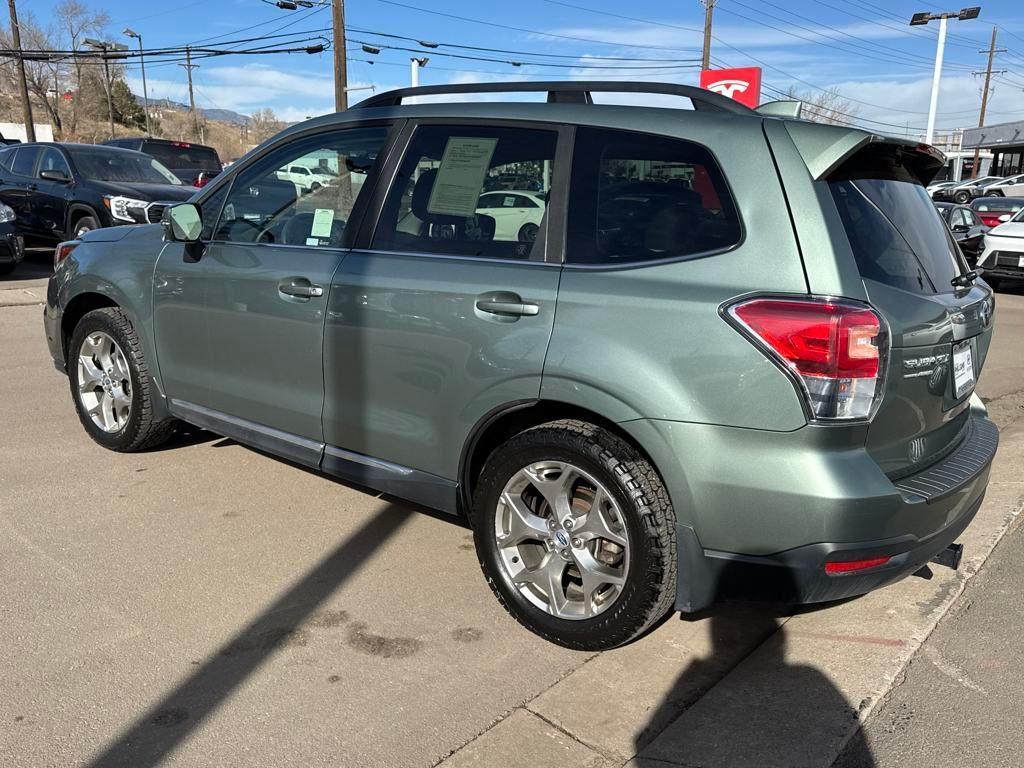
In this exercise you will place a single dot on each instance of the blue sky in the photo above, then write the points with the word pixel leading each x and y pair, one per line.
pixel 865 49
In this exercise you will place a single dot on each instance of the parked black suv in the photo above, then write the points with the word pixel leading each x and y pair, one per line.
pixel 60 191
pixel 194 164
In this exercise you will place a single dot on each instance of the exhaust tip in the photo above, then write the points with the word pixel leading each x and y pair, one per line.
pixel 950 556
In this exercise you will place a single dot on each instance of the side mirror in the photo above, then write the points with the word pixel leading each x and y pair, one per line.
pixel 1005 217
pixel 962 228
pixel 59 176
pixel 182 223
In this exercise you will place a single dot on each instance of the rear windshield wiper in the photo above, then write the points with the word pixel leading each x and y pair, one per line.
pixel 964 280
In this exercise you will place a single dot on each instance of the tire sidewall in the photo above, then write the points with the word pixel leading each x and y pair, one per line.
pixel 630 607
pixel 100 320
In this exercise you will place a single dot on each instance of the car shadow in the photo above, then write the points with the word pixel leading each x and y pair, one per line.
pixel 772 711
pixel 37 265
pixel 168 722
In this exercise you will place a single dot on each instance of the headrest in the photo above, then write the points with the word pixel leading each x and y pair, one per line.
pixel 421 198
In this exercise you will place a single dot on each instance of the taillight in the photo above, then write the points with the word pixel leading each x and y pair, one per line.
pixel 62 251
pixel 201 180
pixel 835 350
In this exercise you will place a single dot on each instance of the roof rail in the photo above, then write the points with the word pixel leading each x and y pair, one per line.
pixel 564 91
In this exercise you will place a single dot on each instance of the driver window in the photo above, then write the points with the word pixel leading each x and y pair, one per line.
pixel 54 161
pixel 301 194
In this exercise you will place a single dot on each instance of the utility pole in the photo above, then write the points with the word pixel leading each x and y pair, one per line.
pixel 189 66
pixel 709 8
pixel 26 105
pixel 984 97
pixel 142 63
pixel 340 64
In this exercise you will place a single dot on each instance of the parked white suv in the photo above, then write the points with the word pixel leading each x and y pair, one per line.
pixel 1003 253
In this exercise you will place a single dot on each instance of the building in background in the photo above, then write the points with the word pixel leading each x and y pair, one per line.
pixel 1005 141
pixel 44 131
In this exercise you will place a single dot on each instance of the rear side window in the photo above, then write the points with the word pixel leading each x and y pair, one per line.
pixel 897 236
pixel 437 202
pixel 25 160
pixel 636 197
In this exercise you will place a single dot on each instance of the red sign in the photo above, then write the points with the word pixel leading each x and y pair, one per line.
pixel 742 85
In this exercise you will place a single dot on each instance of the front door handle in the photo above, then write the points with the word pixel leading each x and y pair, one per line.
pixel 302 290
pixel 508 307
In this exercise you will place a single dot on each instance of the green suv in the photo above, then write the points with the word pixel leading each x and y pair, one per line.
pixel 735 358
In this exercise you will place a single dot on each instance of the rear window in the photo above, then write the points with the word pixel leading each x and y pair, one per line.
pixel 184 157
pixel 25 161
pixel 997 204
pixel 897 236
pixel 636 197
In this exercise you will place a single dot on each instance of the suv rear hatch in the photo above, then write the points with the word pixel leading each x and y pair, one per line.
pixel 939 319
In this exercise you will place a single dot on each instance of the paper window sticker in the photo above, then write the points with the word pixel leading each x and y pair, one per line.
pixel 460 177
pixel 323 221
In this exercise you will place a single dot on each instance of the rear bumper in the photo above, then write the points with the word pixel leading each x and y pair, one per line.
pixel 948 493
pixel 798 576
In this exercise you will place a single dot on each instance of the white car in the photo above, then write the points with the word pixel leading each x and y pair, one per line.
pixel 517 214
pixel 306 179
pixel 1012 186
pixel 1003 254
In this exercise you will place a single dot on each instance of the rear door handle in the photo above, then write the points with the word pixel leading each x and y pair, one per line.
pixel 300 290
pixel 512 308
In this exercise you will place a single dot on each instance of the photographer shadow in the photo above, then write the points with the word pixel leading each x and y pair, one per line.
pixel 770 710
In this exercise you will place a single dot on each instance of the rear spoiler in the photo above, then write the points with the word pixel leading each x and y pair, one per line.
pixel 827 148
pixel 787 108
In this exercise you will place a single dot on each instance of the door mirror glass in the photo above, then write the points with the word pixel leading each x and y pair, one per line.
pixel 962 228
pixel 183 223
pixel 54 175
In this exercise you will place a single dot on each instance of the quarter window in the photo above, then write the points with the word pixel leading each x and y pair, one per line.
pixel 636 197
pixel 437 202
pixel 269 204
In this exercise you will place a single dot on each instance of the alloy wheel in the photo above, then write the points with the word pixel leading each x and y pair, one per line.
pixel 562 540
pixel 104 382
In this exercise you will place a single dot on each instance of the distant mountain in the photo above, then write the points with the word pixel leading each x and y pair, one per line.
pixel 222 115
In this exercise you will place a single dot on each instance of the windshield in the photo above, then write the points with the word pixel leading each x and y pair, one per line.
pixel 120 165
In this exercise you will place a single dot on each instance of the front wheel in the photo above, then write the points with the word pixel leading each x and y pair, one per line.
pixel 576 535
pixel 111 385
pixel 85 224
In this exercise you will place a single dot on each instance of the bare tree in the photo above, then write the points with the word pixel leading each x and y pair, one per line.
pixel 77 21
pixel 827 106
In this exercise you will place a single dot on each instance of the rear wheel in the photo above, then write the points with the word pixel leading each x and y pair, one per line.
pixel 576 535
pixel 528 232
pixel 111 385
pixel 961 197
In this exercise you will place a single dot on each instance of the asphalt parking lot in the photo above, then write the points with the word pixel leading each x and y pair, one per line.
pixel 205 604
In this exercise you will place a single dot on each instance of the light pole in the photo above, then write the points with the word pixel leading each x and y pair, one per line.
pixel 142 63
pixel 414 70
pixel 106 46
pixel 919 19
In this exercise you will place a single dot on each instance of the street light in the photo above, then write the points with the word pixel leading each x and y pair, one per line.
pixel 414 69
pixel 920 19
pixel 142 62
pixel 106 46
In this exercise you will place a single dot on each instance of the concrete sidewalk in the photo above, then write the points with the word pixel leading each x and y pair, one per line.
pixel 756 690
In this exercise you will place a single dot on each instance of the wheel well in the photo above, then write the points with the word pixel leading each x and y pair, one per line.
pixel 77 214
pixel 76 309
pixel 498 428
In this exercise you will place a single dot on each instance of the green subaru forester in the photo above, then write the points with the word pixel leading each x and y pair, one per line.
pixel 659 357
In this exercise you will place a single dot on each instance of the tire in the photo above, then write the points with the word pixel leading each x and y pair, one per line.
pixel 136 430
pixel 528 232
pixel 962 197
pixel 644 517
pixel 83 225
